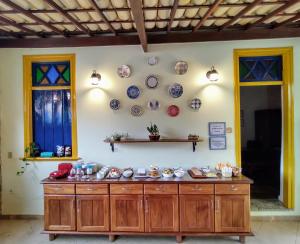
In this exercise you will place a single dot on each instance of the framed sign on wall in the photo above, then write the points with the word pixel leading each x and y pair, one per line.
pixel 217 143
pixel 217 129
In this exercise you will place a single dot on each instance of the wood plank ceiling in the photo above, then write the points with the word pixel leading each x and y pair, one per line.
pixel 58 23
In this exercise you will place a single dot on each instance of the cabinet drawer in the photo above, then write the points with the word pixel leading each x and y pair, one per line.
pixel 232 189
pixel 196 189
pixel 59 189
pixel 161 189
pixel 87 189
pixel 126 188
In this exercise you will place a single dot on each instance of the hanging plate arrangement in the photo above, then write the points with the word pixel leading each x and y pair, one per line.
pixel 115 104
pixel 173 110
pixel 181 67
pixel 136 111
pixel 133 92
pixel 153 105
pixel 195 104
pixel 152 60
pixel 151 81
pixel 175 90
pixel 124 71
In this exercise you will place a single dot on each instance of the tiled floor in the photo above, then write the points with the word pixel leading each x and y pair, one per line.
pixel 267 204
pixel 28 232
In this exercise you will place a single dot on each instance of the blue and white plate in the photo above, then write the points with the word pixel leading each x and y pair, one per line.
pixel 175 90
pixel 195 104
pixel 133 92
pixel 152 81
pixel 136 111
pixel 114 104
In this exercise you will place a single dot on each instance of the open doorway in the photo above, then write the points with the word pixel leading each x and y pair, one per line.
pixel 261 143
pixel 264 123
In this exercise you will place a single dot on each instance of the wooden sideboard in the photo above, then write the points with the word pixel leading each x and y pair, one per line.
pixel 171 207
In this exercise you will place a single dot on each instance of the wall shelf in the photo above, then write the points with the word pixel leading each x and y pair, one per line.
pixel 169 140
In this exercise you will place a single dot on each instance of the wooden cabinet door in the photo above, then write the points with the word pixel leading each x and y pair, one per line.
pixel 59 212
pixel 92 213
pixel 161 213
pixel 197 213
pixel 127 213
pixel 232 213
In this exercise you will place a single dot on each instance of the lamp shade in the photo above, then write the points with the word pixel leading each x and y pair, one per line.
pixel 213 74
pixel 95 78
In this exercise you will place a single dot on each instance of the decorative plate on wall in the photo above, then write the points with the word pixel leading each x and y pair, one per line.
pixel 136 110
pixel 195 104
pixel 152 60
pixel 153 104
pixel 151 81
pixel 175 90
pixel 114 104
pixel 173 110
pixel 181 67
pixel 124 71
pixel 133 92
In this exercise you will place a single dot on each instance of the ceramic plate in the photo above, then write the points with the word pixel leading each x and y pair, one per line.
pixel 153 104
pixel 133 92
pixel 173 110
pixel 176 90
pixel 152 60
pixel 124 71
pixel 114 104
pixel 195 104
pixel 136 110
pixel 151 81
pixel 181 67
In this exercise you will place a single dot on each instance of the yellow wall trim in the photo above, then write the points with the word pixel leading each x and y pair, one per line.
pixel 288 112
pixel 27 93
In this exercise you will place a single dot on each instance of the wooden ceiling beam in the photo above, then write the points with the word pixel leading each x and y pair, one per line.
pixel 32 16
pixel 138 16
pixel 67 15
pixel 241 13
pixel 103 17
pixel 273 13
pixel 290 20
pixel 19 26
pixel 209 12
pixel 81 10
pixel 203 36
pixel 10 33
pixel 172 15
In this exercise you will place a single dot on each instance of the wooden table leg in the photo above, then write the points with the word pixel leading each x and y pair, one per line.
pixel 179 238
pixel 112 238
pixel 52 237
pixel 242 239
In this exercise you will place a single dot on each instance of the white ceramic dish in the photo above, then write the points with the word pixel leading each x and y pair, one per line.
pixel 167 175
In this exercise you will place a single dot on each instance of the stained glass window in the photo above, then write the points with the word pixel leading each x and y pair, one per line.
pixel 51 74
pixel 266 68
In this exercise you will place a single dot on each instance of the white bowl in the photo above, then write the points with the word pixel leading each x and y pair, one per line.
pixel 179 174
pixel 167 175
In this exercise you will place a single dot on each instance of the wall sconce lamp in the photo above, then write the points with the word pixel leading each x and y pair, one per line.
pixel 212 75
pixel 95 78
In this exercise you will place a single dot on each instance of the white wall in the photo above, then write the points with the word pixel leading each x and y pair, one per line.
pixel 23 194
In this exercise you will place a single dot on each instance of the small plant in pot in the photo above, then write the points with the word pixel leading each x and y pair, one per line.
pixel 154 132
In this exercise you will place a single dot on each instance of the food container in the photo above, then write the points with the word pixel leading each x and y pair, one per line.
pixel 227 172
pixel 127 173
pixel 167 173
pixel 179 172
pixel 236 171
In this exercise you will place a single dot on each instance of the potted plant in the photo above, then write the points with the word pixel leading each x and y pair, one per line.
pixel 154 132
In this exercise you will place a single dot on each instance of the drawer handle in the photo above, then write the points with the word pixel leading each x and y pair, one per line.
pixel 233 188
pixel 197 188
pixel 90 189
pixel 124 188
pixel 159 188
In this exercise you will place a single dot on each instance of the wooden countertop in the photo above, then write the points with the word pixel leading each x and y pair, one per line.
pixel 186 179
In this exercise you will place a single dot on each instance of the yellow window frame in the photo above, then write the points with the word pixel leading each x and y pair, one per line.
pixel 27 93
pixel 288 112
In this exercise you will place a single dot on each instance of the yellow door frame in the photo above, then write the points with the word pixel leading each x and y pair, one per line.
pixel 287 107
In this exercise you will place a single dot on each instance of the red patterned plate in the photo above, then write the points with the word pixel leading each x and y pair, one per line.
pixel 173 110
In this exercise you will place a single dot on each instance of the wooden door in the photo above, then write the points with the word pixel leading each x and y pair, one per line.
pixel 127 213
pixel 93 213
pixel 197 213
pixel 232 213
pixel 161 213
pixel 59 212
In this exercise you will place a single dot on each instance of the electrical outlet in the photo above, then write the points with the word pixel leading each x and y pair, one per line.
pixel 9 155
